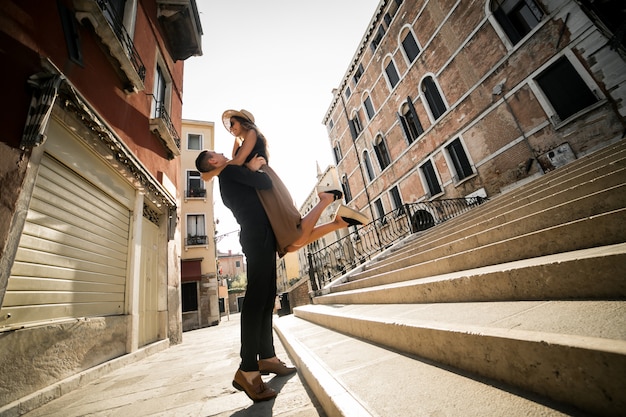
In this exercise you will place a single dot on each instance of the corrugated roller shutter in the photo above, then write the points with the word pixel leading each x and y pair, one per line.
pixel 72 256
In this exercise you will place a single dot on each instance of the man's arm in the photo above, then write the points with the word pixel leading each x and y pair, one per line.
pixel 242 175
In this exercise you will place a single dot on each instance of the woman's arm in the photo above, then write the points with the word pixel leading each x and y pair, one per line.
pixel 245 148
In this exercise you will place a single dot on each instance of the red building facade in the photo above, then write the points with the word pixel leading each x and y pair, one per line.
pixel 89 166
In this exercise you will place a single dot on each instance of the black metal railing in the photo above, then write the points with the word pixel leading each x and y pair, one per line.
pixel 120 32
pixel 161 113
pixel 196 240
pixel 369 240
pixel 195 192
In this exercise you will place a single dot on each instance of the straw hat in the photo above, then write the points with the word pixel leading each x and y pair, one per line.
pixel 244 114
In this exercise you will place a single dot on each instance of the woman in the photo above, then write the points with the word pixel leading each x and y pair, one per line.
pixel 292 231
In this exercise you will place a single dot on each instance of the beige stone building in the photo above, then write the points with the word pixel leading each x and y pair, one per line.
pixel 199 283
pixel 230 267
pixel 450 99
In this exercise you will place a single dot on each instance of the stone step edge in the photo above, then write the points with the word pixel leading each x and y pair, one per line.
pixel 505 226
pixel 453 286
pixel 336 399
pixel 586 372
pixel 598 234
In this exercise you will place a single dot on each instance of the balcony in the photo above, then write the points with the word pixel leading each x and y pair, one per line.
pixel 196 241
pixel 109 28
pixel 161 125
pixel 181 28
pixel 195 193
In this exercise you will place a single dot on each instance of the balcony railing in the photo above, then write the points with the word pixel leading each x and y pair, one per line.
pixel 162 126
pixel 369 240
pixel 109 27
pixel 195 193
pixel 196 241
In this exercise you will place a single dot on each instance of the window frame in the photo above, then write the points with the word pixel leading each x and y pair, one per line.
pixel 369 106
pixel 345 185
pixel 459 162
pixel 200 140
pixel 427 91
pixel 386 63
pixel 402 37
pixel 429 179
pixel 510 27
pixel 409 121
pixel 585 80
pixel 369 168
pixel 382 152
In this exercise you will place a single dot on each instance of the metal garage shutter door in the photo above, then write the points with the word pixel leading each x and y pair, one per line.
pixel 71 260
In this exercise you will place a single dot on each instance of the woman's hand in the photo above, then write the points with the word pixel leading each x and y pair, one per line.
pixel 256 163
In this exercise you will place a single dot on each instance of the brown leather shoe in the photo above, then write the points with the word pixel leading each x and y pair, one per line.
pixel 257 391
pixel 266 366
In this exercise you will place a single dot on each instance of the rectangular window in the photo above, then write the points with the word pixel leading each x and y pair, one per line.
pixel 380 211
pixel 196 230
pixel 397 201
pixel 348 92
pixel 459 160
pixel 565 89
pixel 237 264
pixel 195 185
pixel 158 98
pixel 194 142
pixel 432 183
pixel 72 34
pixel 517 17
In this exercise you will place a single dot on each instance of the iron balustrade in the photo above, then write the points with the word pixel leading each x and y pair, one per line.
pixel 161 113
pixel 196 240
pixel 195 192
pixel 364 242
pixel 118 28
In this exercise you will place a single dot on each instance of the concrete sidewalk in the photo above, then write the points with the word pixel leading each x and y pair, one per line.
pixel 190 379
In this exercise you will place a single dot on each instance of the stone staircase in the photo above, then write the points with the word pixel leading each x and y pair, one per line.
pixel 514 308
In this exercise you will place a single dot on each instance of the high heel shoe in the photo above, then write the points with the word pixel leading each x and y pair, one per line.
pixel 351 216
pixel 337 194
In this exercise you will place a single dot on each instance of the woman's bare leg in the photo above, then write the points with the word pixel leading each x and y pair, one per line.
pixel 318 232
pixel 308 222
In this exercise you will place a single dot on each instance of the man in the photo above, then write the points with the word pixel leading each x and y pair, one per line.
pixel 238 187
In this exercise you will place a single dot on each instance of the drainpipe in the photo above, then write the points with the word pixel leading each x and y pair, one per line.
pixel 499 90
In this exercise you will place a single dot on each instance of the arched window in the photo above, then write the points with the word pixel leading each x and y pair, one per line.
pixel 411 125
pixel 368 165
pixel 380 147
pixel 435 102
pixel 337 152
pixel 389 68
pixel 355 125
pixel 369 107
pixel 516 17
pixel 409 45
pixel 347 194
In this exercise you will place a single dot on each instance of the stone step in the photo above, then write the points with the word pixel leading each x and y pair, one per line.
pixel 476 251
pixel 569 352
pixel 587 199
pixel 595 273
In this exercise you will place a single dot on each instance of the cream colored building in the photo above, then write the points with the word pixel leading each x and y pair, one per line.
pixel 327 178
pixel 287 269
pixel 199 283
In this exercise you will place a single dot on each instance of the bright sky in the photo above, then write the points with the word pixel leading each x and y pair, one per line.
pixel 280 60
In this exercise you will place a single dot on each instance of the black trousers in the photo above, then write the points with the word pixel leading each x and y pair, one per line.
pixel 257 341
